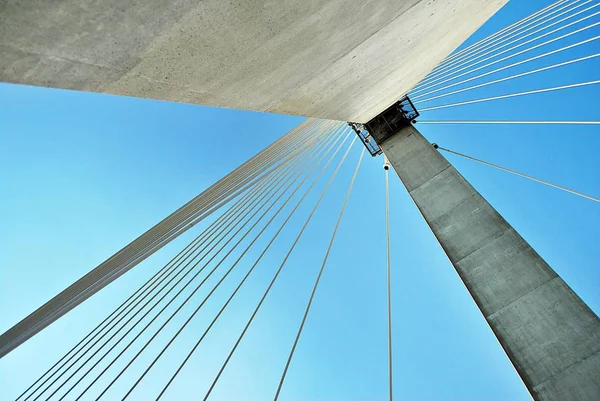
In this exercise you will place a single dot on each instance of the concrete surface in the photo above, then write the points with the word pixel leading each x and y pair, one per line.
pixel 551 336
pixel 338 59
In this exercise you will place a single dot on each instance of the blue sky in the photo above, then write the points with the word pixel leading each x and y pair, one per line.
pixel 83 174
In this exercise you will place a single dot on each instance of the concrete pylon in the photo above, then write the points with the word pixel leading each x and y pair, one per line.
pixel 550 335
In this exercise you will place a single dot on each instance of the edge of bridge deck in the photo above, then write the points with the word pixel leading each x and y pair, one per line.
pixel 336 59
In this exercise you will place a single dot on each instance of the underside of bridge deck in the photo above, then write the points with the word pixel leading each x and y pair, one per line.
pixel 336 59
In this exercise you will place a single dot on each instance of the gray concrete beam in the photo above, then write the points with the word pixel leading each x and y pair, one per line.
pixel 337 59
pixel 550 335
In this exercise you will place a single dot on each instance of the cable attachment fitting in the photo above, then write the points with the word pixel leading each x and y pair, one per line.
pixel 435 145
pixel 386 163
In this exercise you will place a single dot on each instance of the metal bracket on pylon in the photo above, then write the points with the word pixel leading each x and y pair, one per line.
pixel 391 120
pixel 366 138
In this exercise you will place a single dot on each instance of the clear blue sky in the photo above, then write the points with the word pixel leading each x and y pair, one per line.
pixel 83 174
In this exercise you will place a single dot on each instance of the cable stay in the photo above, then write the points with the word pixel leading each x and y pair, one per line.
pixel 501 44
pixel 523 74
pixel 386 167
pixel 474 47
pixel 146 314
pixel 495 51
pixel 249 246
pixel 314 290
pixel 518 173
pixel 501 33
pixel 210 200
pixel 112 326
pixel 470 71
pixel 281 266
pixel 114 315
pixel 540 122
pixel 161 291
pixel 506 67
pixel 275 236
pixel 218 264
pixel 189 297
pixel 140 295
pixel 256 198
pixel 437 73
pixel 531 92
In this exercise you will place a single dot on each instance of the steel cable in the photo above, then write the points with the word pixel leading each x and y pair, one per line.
pixel 286 146
pixel 151 284
pixel 119 321
pixel 223 221
pixel 519 174
pixel 198 287
pixel 509 122
pixel 56 307
pixel 178 227
pixel 318 279
pixel 283 225
pixel 487 99
pixel 164 308
pixel 389 278
pixel 181 290
pixel 147 304
pixel 501 32
pixel 418 95
pixel 278 271
pixel 172 235
pixel 494 51
pixel 516 64
pixel 577 60
pixel 231 268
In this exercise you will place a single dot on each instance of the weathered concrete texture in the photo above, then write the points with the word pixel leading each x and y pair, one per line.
pixel 550 335
pixel 338 59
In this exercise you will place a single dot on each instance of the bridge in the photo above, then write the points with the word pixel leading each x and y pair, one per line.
pixel 347 66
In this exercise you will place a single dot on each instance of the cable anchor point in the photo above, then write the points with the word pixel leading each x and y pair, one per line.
pixel 386 163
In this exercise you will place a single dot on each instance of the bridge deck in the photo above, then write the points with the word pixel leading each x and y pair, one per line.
pixel 337 59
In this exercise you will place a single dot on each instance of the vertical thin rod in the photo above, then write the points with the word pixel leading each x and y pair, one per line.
pixel 389 276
